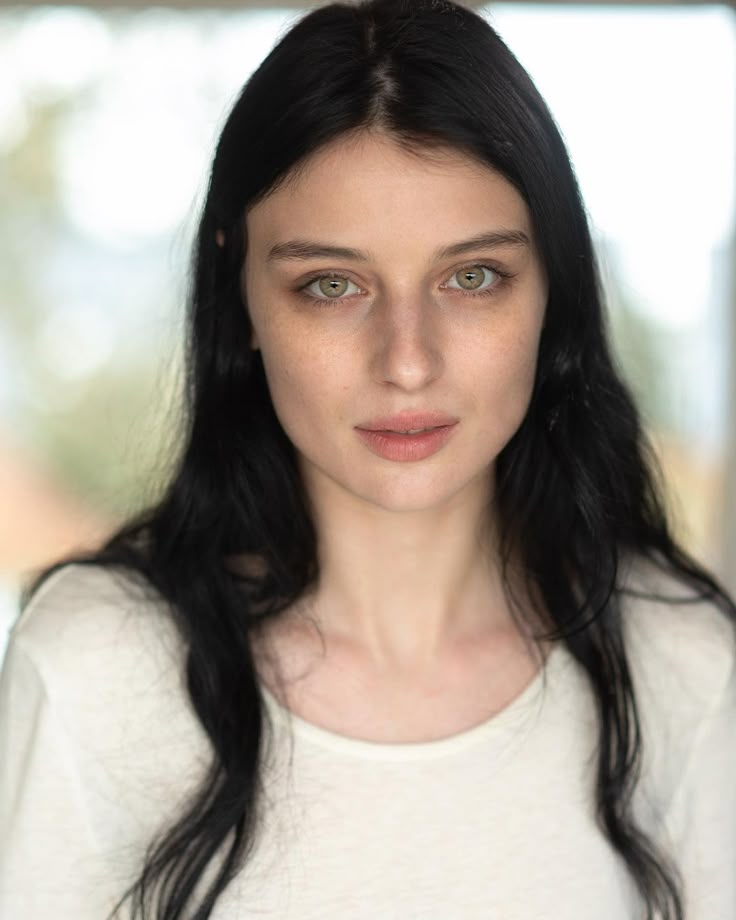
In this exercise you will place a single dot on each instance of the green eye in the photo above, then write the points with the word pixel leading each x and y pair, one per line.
pixel 329 287
pixel 333 287
pixel 474 277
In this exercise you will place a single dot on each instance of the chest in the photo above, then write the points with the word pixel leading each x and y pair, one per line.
pixel 502 830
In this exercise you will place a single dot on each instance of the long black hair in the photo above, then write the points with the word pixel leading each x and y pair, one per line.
pixel 576 487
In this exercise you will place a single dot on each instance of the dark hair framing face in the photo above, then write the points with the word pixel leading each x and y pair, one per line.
pixel 428 74
pixel 575 488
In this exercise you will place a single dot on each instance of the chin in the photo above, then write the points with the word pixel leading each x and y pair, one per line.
pixel 397 487
pixel 416 494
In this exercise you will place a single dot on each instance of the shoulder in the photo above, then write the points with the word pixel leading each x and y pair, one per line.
pixel 74 596
pixel 682 656
pixel 103 647
pixel 88 615
pixel 94 704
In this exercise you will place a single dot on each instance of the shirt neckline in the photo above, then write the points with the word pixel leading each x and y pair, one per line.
pixel 505 721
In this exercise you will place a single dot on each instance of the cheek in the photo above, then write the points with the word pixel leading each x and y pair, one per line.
pixel 508 380
pixel 305 379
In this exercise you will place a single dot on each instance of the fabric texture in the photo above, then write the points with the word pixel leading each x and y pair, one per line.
pixel 100 750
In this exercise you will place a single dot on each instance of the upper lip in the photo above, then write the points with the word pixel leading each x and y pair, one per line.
pixel 408 421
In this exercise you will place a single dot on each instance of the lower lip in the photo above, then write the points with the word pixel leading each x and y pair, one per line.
pixel 405 447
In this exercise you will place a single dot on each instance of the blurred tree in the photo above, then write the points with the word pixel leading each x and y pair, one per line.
pixel 104 433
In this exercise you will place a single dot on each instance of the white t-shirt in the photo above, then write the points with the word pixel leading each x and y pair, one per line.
pixel 99 748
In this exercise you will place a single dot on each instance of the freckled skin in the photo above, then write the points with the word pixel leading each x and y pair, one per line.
pixel 404 336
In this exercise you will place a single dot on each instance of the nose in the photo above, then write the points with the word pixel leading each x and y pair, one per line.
pixel 406 344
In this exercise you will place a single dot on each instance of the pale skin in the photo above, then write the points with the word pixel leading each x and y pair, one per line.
pixel 410 603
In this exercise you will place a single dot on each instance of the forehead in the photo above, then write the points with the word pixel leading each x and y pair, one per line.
pixel 368 184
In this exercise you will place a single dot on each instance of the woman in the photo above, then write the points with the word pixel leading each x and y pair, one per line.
pixel 414 539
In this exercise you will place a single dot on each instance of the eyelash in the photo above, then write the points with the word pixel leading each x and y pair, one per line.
pixel 503 277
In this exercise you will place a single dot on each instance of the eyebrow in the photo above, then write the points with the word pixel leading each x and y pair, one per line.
pixel 299 250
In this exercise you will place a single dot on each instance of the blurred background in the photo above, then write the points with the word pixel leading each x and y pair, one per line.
pixel 108 117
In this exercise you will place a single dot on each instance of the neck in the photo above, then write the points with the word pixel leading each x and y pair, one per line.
pixel 403 588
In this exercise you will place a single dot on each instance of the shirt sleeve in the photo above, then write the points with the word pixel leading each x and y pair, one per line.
pixel 50 866
pixel 702 816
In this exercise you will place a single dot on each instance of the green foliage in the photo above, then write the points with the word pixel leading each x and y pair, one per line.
pixel 107 435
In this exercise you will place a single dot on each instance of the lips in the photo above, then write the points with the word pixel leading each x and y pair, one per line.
pixel 408 421
pixel 388 436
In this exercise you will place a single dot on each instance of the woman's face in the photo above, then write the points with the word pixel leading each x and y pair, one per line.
pixel 382 285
